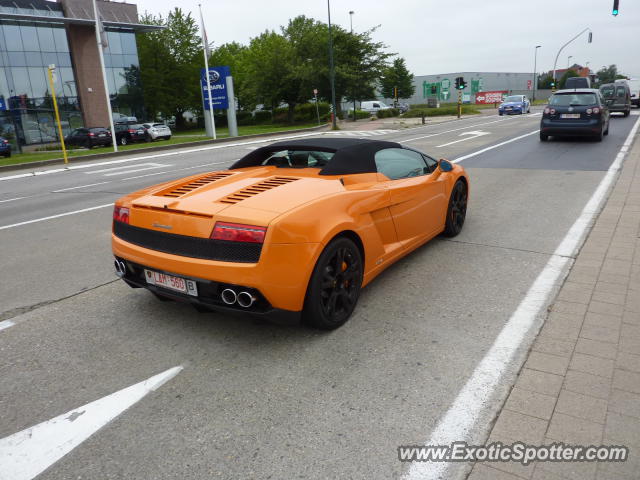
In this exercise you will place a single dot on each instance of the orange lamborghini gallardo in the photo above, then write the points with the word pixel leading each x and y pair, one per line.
pixel 291 231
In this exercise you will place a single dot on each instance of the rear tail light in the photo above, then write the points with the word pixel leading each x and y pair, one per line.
pixel 237 232
pixel 121 214
pixel 546 111
pixel 596 110
pixel 5 141
pixel 131 131
pixel 91 134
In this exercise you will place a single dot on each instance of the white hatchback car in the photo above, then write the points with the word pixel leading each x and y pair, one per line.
pixel 157 131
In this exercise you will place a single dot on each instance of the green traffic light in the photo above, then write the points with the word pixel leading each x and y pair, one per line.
pixel 615 12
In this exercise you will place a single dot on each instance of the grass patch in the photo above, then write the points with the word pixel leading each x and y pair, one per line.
pixel 178 138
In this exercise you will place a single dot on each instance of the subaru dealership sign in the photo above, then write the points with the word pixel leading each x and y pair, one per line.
pixel 218 81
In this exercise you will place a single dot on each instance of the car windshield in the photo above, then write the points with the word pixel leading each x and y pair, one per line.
pixel 298 159
pixel 159 125
pixel 573 99
pixel 607 91
pixel 513 98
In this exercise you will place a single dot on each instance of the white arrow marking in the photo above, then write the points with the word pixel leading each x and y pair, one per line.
pixel 473 134
pixel 28 453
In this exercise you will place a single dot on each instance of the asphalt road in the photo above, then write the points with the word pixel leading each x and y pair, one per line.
pixel 255 400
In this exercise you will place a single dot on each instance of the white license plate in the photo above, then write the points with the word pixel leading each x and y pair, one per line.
pixel 102 135
pixel 570 115
pixel 176 284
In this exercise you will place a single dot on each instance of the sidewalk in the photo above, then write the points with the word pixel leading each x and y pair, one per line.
pixel 581 382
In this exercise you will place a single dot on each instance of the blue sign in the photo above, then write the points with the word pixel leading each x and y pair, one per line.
pixel 218 81
pixel 3 104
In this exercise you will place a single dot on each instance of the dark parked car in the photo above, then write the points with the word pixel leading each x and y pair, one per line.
pixel 128 133
pixel 580 112
pixel 89 137
pixel 5 147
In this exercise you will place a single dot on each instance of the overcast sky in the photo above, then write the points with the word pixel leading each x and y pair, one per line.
pixel 436 37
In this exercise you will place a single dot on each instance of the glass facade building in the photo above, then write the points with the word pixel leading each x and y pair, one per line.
pixel 28 47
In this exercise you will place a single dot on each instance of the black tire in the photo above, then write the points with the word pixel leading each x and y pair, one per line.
pixel 148 138
pixel 457 210
pixel 88 145
pixel 168 138
pixel 8 154
pixel 544 137
pixel 599 136
pixel 627 112
pixel 500 113
pixel 606 132
pixel 123 141
pixel 334 288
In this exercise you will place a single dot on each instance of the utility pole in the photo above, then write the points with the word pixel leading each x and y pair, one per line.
pixel 535 72
pixel 52 69
pixel 351 12
pixel 332 73
pixel 555 63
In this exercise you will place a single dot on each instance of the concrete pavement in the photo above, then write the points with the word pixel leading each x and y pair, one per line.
pixel 262 401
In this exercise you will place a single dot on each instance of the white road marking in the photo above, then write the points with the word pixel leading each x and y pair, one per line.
pixel 6 324
pixel 12 199
pixel 36 220
pixel 473 134
pixel 461 419
pixel 148 164
pixel 126 172
pixel 635 112
pixel 473 154
pixel 177 170
pixel 157 155
pixel 509 119
pixel 80 186
pixel 26 454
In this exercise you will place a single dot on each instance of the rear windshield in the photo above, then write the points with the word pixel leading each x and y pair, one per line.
pixel 573 99
pixel 607 91
pixel 298 159
pixel 159 125
pixel 513 98
pixel 98 129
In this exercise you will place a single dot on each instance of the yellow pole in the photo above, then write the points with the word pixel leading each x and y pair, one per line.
pixel 55 108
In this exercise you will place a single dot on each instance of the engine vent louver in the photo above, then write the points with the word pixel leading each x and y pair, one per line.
pixel 175 192
pixel 257 188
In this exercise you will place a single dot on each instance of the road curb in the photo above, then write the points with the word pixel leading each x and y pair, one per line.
pixel 159 148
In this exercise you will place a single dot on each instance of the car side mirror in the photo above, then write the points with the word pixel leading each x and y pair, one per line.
pixel 445 165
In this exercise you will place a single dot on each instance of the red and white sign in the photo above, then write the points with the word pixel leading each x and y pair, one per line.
pixel 315 91
pixel 528 84
pixel 490 97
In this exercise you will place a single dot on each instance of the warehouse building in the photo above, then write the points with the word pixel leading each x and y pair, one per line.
pixel 38 33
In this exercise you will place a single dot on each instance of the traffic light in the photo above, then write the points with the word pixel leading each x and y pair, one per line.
pixel 460 83
pixel 616 4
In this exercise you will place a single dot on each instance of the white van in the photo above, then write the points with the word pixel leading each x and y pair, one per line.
pixel 373 106
pixel 634 85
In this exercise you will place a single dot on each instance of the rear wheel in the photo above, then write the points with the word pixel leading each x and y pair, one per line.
pixel 457 210
pixel 8 154
pixel 334 287
pixel 627 112
pixel 544 137
pixel 599 136
pixel 123 141
pixel 88 144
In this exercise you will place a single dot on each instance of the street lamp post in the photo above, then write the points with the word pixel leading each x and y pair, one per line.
pixel 535 70
pixel 332 72
pixel 569 60
pixel 351 12
pixel 555 63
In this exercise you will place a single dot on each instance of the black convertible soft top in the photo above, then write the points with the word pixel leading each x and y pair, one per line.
pixel 351 155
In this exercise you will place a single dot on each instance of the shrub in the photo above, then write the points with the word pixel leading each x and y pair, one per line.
pixel 391 112
pixel 360 114
pixel 435 112
pixel 262 116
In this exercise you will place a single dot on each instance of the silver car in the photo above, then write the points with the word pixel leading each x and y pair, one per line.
pixel 157 131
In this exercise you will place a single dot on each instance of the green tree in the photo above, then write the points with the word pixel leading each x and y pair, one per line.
pixel 235 56
pixel 608 75
pixel 397 76
pixel 170 65
pixel 569 73
pixel 545 82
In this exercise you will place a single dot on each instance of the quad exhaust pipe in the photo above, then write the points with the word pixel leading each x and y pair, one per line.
pixel 243 299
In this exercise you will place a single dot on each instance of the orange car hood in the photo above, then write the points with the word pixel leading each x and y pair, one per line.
pixel 255 195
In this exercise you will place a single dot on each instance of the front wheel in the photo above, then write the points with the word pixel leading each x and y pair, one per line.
pixel 123 141
pixel 627 113
pixel 334 287
pixel 457 210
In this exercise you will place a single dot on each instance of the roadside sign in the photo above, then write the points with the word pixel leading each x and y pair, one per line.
pixel 217 80
pixel 315 91
pixel 3 104
pixel 490 97
pixel 528 84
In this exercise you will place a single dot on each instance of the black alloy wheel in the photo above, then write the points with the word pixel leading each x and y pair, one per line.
pixel 457 211
pixel 334 287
